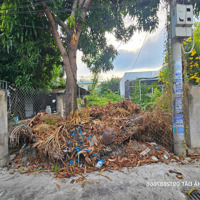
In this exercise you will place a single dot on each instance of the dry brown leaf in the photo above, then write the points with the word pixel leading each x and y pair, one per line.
pixel 80 179
pixel 57 185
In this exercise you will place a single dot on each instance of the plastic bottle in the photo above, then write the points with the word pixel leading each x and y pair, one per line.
pixel 16 119
pixel 48 109
pixel 99 164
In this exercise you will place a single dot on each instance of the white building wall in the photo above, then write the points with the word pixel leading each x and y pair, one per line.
pixel 122 86
pixel 131 76
pixel 85 85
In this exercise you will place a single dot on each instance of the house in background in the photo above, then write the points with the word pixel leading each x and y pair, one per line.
pixel 87 85
pixel 129 77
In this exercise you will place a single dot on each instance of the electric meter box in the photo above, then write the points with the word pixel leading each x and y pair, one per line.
pixel 182 20
pixel 184 32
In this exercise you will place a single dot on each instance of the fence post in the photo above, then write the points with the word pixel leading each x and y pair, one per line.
pixel 127 92
pixel 193 113
pixel 140 90
pixel 3 129
pixel 60 105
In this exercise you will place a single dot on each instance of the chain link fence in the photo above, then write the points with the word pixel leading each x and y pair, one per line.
pixel 24 103
pixel 27 102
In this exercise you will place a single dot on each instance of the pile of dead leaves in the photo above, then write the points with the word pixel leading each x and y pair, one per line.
pixel 96 134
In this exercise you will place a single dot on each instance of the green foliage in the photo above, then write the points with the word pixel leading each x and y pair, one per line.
pixel 196 4
pixel 156 93
pixel 112 84
pixel 165 73
pixel 25 31
pixel 58 83
pixel 99 99
pixel 29 64
pixel 27 34
pixel 71 21
pixel 51 119
pixel 164 103
pixel 56 167
pixel 29 57
pixel 95 80
pixel 191 62
pixel 143 97
pixel 193 59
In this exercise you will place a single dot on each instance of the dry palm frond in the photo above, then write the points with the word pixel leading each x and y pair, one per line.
pixel 51 145
pixel 19 131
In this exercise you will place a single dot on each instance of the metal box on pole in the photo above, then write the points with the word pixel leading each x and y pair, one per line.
pixel 182 21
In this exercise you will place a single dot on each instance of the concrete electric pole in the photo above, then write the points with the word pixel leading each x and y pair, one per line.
pixel 181 28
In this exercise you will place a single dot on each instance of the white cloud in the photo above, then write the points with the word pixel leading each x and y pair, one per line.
pixel 135 43
pixel 133 46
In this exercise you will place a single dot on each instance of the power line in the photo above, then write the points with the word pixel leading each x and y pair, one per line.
pixel 93 7
pixel 123 43
pixel 140 51
pixel 35 12
pixel 66 9
pixel 38 27
pixel 30 5
pixel 29 26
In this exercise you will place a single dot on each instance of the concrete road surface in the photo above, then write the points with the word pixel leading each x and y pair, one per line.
pixel 152 181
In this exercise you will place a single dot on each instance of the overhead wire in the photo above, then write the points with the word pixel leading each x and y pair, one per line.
pixel 66 9
pixel 138 55
pixel 30 5
pixel 35 12
pixel 62 10
pixel 30 12
pixel 29 26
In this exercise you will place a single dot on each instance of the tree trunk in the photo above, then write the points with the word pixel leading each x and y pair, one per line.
pixel 71 86
pixel 71 89
pixel 69 58
pixel 72 82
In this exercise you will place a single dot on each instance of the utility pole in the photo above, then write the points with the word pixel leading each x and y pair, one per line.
pixel 181 27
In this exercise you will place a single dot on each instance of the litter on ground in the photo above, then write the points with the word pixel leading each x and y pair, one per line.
pixel 109 137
